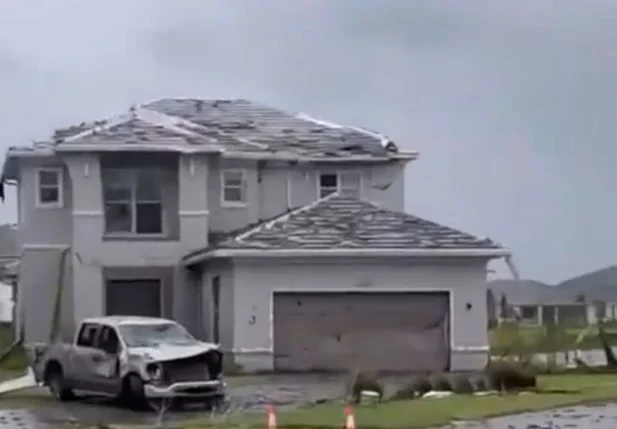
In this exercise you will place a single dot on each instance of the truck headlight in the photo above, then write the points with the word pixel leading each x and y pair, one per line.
pixel 154 371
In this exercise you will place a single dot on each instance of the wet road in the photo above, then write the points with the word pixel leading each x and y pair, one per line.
pixel 584 417
pixel 255 394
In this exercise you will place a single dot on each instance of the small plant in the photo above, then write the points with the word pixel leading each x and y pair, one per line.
pixel 510 375
pixel 366 381
pixel 405 392
pixel 461 384
pixel 480 385
pixel 422 385
pixel 441 383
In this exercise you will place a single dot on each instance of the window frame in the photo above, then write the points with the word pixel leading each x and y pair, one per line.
pixel 60 176
pixel 87 325
pixel 339 182
pixel 133 202
pixel 243 188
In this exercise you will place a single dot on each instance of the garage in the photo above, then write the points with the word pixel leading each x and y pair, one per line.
pixel 136 297
pixel 401 331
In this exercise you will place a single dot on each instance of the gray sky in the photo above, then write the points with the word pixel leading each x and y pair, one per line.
pixel 512 104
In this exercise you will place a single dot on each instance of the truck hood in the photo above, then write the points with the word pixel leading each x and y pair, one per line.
pixel 166 352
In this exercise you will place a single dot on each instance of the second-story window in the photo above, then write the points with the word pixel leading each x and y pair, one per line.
pixel 345 183
pixel 49 187
pixel 233 187
pixel 133 203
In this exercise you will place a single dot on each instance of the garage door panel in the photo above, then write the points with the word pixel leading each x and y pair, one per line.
pixel 379 331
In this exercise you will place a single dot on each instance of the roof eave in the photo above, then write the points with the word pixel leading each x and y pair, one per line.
pixel 12 154
pixel 198 257
pixel 205 149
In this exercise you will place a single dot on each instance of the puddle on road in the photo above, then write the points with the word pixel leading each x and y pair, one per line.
pixel 583 417
pixel 91 412
pixel 20 419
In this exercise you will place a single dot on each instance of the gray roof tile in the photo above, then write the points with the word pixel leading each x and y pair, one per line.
pixel 233 125
pixel 348 223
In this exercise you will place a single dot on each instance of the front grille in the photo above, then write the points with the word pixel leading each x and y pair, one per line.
pixel 179 371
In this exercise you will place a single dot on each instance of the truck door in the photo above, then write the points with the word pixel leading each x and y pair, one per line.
pixel 83 357
pixel 106 366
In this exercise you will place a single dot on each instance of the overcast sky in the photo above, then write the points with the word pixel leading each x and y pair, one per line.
pixel 511 104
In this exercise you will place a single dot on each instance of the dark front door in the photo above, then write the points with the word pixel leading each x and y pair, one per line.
pixel 140 297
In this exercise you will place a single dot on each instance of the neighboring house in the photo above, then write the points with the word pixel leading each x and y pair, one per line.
pixel 598 289
pixel 6 303
pixel 278 235
pixel 538 303
pixel 9 258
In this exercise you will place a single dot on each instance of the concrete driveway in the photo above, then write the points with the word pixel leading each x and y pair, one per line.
pixel 36 409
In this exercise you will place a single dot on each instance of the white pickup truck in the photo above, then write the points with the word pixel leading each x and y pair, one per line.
pixel 138 359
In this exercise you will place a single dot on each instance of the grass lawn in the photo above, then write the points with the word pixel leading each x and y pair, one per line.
pixel 536 342
pixel 554 391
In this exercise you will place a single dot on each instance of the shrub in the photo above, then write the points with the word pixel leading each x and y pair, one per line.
pixel 510 375
pixel 480 384
pixel 441 383
pixel 461 384
pixel 406 392
pixel 421 385
pixel 366 381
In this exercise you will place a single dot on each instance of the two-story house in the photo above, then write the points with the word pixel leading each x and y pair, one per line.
pixel 280 236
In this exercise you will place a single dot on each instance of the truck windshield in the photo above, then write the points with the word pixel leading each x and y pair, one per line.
pixel 152 335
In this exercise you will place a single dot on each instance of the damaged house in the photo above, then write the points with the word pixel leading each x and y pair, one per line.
pixel 280 236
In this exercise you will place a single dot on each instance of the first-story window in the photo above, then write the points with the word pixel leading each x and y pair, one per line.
pixel 345 183
pixel 49 187
pixel 133 201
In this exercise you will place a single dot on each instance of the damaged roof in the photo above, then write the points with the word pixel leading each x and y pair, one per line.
pixel 229 126
pixel 341 222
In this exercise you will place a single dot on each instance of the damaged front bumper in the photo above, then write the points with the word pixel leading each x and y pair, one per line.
pixel 186 389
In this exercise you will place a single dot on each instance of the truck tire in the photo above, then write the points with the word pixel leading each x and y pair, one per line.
pixel 57 385
pixel 133 392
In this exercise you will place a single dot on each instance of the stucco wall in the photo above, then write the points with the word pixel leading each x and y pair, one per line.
pixel 256 280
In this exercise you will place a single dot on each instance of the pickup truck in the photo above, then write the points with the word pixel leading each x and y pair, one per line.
pixel 140 360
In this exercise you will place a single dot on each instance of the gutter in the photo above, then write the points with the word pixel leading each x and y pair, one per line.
pixel 198 257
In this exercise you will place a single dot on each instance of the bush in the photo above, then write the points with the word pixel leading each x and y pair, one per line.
pixel 405 392
pixel 366 381
pixel 461 384
pixel 422 385
pixel 441 383
pixel 480 385
pixel 510 375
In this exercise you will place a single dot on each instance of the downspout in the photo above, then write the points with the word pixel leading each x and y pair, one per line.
pixel 512 267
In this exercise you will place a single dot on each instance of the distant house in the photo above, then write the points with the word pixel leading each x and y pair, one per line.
pixel 598 289
pixel 538 303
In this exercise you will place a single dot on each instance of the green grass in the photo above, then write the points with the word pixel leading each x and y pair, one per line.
pixel 534 341
pixel 553 391
pixel 16 361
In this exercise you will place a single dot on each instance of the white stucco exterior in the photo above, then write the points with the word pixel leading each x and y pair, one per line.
pixel 247 312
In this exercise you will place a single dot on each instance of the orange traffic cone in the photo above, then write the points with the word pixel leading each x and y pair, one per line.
pixel 350 420
pixel 271 424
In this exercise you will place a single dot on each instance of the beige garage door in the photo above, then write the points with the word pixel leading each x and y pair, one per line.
pixel 373 331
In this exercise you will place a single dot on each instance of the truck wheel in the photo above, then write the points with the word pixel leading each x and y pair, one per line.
pixel 57 385
pixel 133 392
